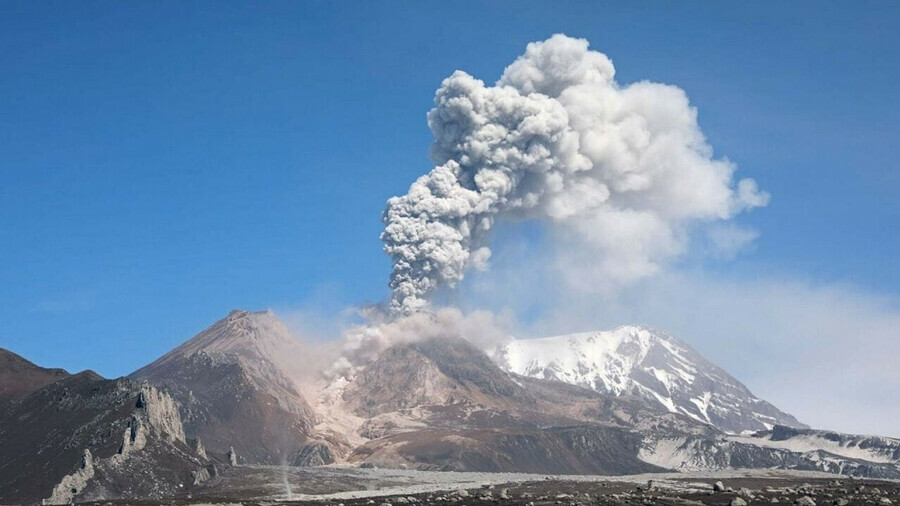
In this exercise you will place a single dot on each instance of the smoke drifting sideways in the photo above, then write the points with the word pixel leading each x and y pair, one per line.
pixel 620 171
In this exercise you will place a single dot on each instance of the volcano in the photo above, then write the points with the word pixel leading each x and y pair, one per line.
pixel 244 398
pixel 233 391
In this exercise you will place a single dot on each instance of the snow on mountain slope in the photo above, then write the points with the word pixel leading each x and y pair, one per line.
pixel 691 453
pixel 638 361
pixel 869 448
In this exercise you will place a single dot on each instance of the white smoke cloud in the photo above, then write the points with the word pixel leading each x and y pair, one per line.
pixel 363 343
pixel 620 171
pixel 726 241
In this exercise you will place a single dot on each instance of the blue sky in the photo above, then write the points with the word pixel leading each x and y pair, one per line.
pixel 164 162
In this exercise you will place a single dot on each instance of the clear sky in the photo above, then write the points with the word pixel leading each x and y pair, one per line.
pixel 164 162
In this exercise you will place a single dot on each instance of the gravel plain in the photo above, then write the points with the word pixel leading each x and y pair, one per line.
pixel 351 486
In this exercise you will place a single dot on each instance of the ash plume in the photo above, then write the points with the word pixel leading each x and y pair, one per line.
pixel 620 171
pixel 363 343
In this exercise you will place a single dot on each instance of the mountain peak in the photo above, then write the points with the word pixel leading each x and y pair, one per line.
pixel 253 334
pixel 233 381
pixel 600 360
pixel 239 314
pixel 19 376
pixel 640 361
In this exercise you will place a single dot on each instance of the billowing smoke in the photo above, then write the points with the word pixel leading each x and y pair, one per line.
pixel 363 343
pixel 621 171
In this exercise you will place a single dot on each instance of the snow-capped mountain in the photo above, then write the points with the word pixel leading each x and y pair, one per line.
pixel 639 361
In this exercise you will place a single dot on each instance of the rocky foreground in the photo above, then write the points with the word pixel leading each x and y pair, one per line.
pixel 258 485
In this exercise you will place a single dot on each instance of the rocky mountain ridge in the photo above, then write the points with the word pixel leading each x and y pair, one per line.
pixel 85 437
pixel 431 404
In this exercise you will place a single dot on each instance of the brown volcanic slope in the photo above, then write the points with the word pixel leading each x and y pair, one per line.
pixel 474 416
pixel 19 377
pixel 446 372
pixel 232 391
pixel 450 383
pixel 442 405
pixel 585 449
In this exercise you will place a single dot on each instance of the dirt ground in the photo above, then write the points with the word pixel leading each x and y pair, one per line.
pixel 348 487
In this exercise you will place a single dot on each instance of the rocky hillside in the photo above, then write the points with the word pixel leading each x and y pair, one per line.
pixel 870 448
pixel 84 437
pixel 692 453
pixel 233 391
pixel 443 404
pixel 641 362
pixel 584 449
pixel 449 372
